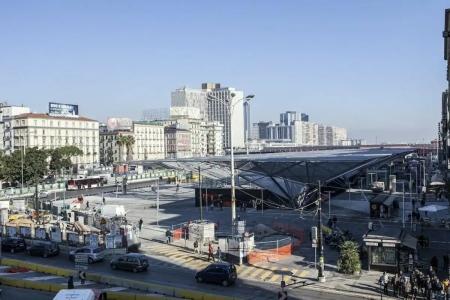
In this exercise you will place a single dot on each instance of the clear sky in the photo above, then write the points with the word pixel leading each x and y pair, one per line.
pixel 375 67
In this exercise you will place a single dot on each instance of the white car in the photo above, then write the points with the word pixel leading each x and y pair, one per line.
pixel 43 194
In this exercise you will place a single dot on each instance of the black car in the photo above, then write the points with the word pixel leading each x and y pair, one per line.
pixel 222 272
pixel 13 244
pixel 43 249
pixel 130 262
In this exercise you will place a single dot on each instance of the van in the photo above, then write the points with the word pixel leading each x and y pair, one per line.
pixel 80 294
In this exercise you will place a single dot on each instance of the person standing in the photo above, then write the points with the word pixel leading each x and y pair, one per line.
pixel 196 247
pixel 87 204
pixel 140 224
pixel 70 283
pixel 210 252
pixel 384 282
pixel 104 200
pixel 221 204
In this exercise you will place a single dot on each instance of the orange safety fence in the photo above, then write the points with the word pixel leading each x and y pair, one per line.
pixel 276 254
pixel 294 231
pixel 177 234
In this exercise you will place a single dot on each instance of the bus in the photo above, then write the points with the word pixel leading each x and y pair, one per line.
pixel 85 183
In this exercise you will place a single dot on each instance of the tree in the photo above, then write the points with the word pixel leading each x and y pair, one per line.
pixel 35 164
pixel 349 262
pixel 61 158
pixel 126 141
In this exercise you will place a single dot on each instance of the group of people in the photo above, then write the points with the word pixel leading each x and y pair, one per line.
pixel 417 284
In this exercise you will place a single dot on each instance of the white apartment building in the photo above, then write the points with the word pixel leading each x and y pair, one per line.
pixel 148 143
pixel 7 113
pixel 49 132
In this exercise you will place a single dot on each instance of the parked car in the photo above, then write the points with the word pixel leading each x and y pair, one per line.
pixel 13 244
pixel 94 254
pixel 130 262
pixel 43 249
pixel 43 194
pixel 222 272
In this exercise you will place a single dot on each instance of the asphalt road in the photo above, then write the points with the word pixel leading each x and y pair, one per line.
pixel 11 293
pixel 184 278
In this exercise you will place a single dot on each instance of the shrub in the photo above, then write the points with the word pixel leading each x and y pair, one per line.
pixel 348 262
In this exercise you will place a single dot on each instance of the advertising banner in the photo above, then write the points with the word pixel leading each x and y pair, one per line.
pixel 62 109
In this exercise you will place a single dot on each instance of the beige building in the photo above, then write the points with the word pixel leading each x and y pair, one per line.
pixel 49 132
pixel 148 143
pixel 214 138
pixel 178 142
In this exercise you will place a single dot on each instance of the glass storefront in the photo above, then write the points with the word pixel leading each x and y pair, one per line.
pixel 383 256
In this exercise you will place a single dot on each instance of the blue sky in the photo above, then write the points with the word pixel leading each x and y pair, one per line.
pixel 375 67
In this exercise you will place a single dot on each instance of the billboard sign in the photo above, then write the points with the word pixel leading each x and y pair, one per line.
pixel 62 109
pixel 119 124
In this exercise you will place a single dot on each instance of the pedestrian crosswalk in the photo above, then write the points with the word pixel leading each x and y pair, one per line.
pixel 170 256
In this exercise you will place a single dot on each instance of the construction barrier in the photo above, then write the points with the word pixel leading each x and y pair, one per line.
pixel 268 255
pixel 160 291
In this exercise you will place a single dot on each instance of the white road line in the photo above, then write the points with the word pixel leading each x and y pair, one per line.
pixel 39 278
pixel 9 274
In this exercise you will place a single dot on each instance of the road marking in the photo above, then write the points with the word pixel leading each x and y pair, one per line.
pixel 246 270
pixel 9 274
pixel 303 273
pixel 268 273
pixel 39 278
pixel 115 289
pixel 256 273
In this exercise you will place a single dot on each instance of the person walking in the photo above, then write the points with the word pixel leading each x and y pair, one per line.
pixel 104 200
pixel 221 204
pixel 196 247
pixel 82 276
pixel 70 283
pixel 87 204
pixel 445 286
pixel 140 224
pixel 168 236
pixel 219 254
pixel 210 252
pixel 384 282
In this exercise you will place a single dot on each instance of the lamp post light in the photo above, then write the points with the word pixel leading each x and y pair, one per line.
pixel 229 102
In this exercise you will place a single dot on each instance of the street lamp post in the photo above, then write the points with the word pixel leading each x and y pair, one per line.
pixel 231 105
pixel 320 275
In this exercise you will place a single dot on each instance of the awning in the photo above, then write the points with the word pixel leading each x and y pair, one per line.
pixel 409 241
pixel 389 200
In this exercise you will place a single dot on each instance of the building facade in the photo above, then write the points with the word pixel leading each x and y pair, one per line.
pixel 177 142
pixel 148 143
pixel 214 138
pixel 7 114
pixel 49 132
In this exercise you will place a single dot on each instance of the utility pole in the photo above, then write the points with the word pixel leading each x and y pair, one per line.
pixel 200 193
pixel 445 104
pixel 321 275
pixel 157 202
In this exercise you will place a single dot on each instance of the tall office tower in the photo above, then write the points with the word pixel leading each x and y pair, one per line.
pixel 218 103
pixel 187 97
pixel 287 118
pixel 246 121
pixel 304 117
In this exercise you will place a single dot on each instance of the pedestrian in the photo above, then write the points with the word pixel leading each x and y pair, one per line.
pixel 140 224
pixel 219 254
pixel 210 252
pixel 70 283
pixel 221 204
pixel 445 286
pixel 384 282
pixel 446 261
pixel 434 263
pixel 196 247
pixel 168 236
pixel 87 204
pixel 104 200
pixel 178 187
pixel 82 276
pixel 429 289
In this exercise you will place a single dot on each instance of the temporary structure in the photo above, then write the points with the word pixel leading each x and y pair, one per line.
pixel 432 208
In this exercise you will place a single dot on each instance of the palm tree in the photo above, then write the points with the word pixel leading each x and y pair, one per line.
pixel 126 141
pixel 129 143
pixel 121 141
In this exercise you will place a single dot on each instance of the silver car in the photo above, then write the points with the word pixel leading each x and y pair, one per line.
pixel 94 254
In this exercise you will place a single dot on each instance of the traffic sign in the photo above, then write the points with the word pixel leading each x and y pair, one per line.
pixel 282 295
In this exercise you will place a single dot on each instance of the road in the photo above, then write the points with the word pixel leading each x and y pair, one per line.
pixel 16 293
pixel 184 278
